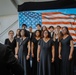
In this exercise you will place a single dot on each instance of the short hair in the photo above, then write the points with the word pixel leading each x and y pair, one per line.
pixel 30 27
pixel 51 27
pixel 24 25
pixel 38 25
pixel 59 26
pixel 11 31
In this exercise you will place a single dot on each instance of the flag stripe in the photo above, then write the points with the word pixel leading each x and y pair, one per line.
pixel 74 23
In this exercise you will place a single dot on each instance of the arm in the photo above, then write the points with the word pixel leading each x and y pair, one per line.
pixel 28 55
pixel 32 49
pixel 12 62
pixel 71 49
pixel 59 50
pixel 53 53
pixel 16 50
pixel 38 53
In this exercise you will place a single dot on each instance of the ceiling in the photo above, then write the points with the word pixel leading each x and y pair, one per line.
pixel 8 8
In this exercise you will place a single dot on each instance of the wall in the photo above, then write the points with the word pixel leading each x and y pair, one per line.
pixel 7 23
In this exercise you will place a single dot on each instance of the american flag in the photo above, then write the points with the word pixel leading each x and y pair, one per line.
pixel 58 18
pixel 49 19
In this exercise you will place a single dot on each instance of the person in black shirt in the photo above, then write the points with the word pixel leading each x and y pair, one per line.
pixel 8 63
pixel 11 41
pixel 24 26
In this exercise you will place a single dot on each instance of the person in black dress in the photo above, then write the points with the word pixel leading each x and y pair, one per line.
pixel 34 51
pixel 24 52
pixel 17 37
pixel 56 64
pixel 66 49
pixel 11 41
pixel 42 30
pixel 45 55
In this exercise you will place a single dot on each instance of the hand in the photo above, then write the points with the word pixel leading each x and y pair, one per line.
pixel 16 56
pixel 70 57
pixel 32 55
pixel 52 60
pixel 27 57
pixel 60 56
pixel 38 59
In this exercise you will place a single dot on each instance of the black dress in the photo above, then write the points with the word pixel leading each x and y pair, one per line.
pixel 57 61
pixel 34 60
pixel 45 57
pixel 11 44
pixel 67 65
pixel 23 51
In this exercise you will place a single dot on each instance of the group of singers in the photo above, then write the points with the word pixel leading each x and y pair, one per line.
pixel 50 50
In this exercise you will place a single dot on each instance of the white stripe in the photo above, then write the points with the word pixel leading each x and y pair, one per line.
pixel 57 20
pixel 59 15
pixel 74 37
pixel 62 25
pixel 71 31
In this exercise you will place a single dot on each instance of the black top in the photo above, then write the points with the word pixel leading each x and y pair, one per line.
pixel 11 44
pixel 9 62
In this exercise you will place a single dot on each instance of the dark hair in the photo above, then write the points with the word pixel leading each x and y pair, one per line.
pixel 48 33
pixel 42 28
pixel 11 31
pixel 38 25
pixel 19 33
pixel 25 33
pixel 66 29
pixel 51 27
pixel 30 27
pixel 39 32
pixel 59 26
pixel 24 25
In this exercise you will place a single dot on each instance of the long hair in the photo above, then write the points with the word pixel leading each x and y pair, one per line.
pixel 67 30
pixel 39 33
pixel 48 33
pixel 25 33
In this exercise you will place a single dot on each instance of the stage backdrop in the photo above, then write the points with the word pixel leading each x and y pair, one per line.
pixel 49 17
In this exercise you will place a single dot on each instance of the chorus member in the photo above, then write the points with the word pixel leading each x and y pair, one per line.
pixel 38 27
pixel 8 63
pixel 11 41
pixel 42 30
pixel 24 26
pixel 66 49
pixel 45 54
pixel 51 30
pixel 58 28
pixel 17 37
pixel 24 52
pixel 34 46
pixel 31 33
pixel 57 37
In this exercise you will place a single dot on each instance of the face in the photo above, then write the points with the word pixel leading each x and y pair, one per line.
pixel 46 34
pixel 64 31
pixel 18 31
pixel 22 33
pixel 58 28
pixel 11 34
pixel 37 33
pixel 30 29
pixel 38 27
pixel 23 27
pixel 56 31
pixel 51 29
pixel 44 28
